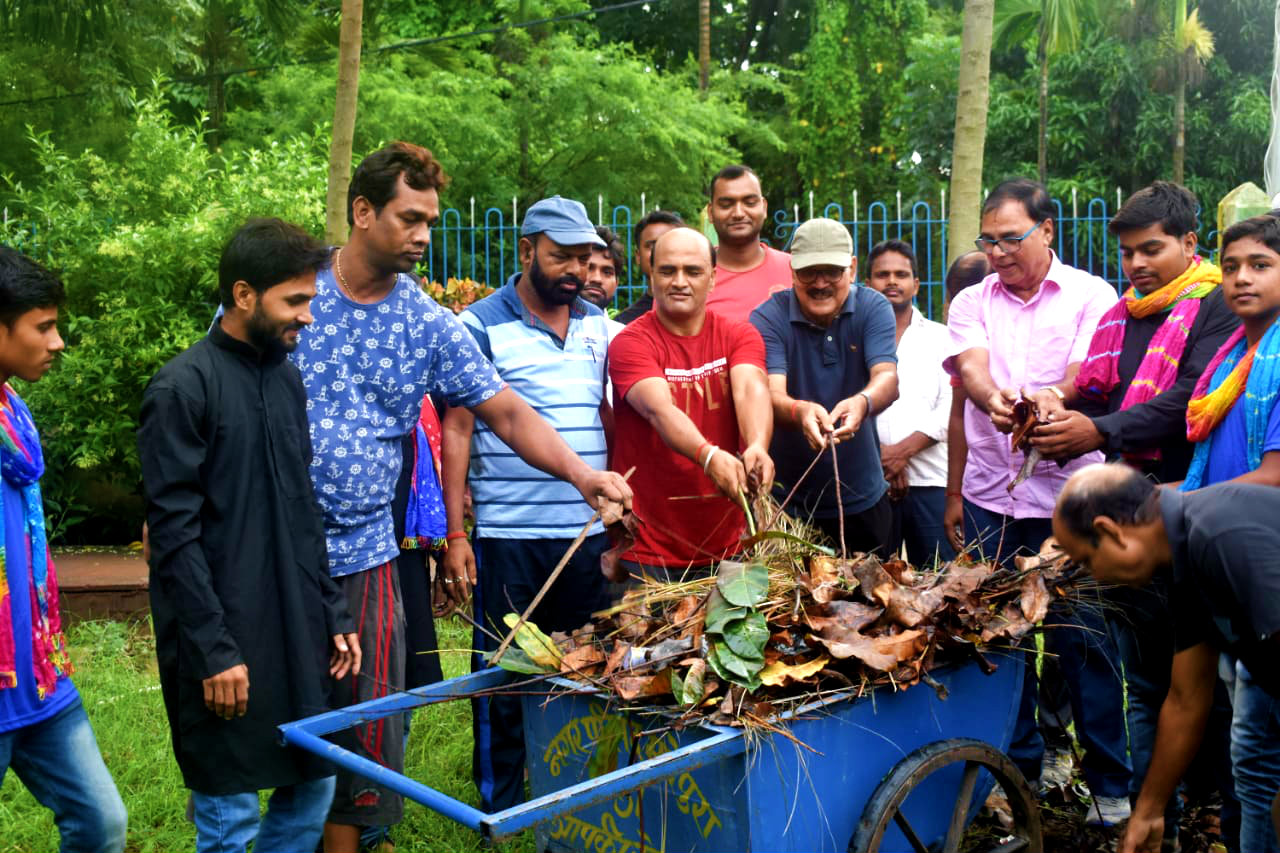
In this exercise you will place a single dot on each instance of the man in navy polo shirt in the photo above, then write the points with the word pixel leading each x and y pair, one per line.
pixel 831 356
pixel 549 345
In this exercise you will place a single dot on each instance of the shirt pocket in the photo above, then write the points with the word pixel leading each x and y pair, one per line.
pixel 1049 353
pixel 291 464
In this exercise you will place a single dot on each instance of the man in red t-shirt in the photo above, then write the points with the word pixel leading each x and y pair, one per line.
pixel 747 271
pixel 691 394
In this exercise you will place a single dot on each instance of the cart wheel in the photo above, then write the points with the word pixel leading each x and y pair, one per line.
pixel 882 809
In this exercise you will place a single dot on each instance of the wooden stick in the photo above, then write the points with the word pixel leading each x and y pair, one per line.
pixel 555 573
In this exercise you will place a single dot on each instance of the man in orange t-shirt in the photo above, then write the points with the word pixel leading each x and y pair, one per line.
pixel 747 271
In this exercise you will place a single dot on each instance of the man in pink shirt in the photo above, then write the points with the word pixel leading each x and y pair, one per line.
pixel 747 271
pixel 1028 326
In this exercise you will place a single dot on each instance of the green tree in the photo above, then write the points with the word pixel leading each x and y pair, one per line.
pixel 847 94
pixel 1056 25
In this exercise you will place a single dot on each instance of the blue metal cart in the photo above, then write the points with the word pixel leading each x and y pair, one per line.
pixel 890 771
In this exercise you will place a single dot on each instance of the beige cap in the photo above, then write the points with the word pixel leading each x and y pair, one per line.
pixel 821 242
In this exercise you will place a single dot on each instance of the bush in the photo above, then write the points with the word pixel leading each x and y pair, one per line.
pixel 137 243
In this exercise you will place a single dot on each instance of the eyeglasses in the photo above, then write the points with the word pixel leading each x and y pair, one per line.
pixel 1008 245
pixel 809 275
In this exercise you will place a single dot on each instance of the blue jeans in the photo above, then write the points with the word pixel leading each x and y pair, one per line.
pixel 1255 759
pixel 1143 632
pixel 1080 661
pixel 917 522
pixel 293 823
pixel 59 762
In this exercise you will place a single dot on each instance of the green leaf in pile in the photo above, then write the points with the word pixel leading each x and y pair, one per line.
pixel 743 584
pixel 741 669
pixel 720 611
pixel 746 637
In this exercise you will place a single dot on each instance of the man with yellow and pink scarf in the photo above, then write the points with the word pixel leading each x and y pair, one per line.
pixel 1129 400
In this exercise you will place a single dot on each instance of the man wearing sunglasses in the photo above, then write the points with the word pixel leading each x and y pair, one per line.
pixel 1024 328
pixel 830 349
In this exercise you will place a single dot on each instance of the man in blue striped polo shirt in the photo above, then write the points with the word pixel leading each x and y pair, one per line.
pixel 549 345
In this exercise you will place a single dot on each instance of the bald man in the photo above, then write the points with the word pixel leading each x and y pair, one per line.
pixel 692 415
pixel 1218 550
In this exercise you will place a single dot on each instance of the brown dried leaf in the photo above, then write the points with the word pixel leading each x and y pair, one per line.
pixel 960 579
pixel 1010 623
pixel 875 582
pixel 778 674
pixel 631 687
pixel 883 653
pixel 848 615
pixel 1024 421
pixel 611 512
pixel 617 658
pixel 909 607
pixel 822 569
pixel 1035 598
pixel 581 659
pixel 899 571
pixel 633 627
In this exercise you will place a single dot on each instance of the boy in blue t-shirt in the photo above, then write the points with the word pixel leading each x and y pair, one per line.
pixel 1235 420
pixel 45 735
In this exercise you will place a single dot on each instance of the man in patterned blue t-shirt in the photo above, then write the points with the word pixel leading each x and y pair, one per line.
pixel 377 346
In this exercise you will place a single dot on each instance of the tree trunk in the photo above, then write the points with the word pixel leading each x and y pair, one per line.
pixel 1179 123
pixel 1042 55
pixel 704 44
pixel 971 126
pixel 344 122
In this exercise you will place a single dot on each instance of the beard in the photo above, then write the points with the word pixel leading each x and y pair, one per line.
pixel 268 337
pixel 551 291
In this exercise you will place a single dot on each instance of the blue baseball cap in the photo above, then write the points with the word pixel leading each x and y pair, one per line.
pixel 564 220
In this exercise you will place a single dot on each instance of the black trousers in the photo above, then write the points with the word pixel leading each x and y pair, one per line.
pixel 510 573
pixel 868 531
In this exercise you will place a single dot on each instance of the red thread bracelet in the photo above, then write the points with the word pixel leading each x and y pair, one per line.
pixel 457 534
pixel 697 457
pixel 794 405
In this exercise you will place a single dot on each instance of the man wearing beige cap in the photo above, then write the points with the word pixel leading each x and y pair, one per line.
pixel 830 354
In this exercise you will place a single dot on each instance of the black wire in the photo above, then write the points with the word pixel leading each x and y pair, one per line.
pixel 402 45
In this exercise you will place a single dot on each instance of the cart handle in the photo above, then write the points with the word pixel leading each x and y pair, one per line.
pixel 307 734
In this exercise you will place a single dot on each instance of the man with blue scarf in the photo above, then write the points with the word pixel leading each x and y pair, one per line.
pixel 45 735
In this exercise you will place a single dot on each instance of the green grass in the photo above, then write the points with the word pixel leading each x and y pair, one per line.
pixel 116 676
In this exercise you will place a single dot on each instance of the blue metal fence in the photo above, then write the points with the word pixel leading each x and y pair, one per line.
pixel 483 247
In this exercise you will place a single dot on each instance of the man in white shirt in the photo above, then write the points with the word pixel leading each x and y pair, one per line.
pixel 913 431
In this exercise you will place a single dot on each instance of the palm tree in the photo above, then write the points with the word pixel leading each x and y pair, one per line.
pixel 1192 45
pixel 344 122
pixel 1058 24
pixel 971 124
pixel 704 43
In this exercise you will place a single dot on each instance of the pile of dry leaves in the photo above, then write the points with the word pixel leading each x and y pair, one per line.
pixel 792 624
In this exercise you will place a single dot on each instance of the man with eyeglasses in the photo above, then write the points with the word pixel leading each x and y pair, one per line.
pixel 830 350
pixel 1026 327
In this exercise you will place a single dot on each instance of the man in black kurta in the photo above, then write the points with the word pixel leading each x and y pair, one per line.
pixel 240 588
